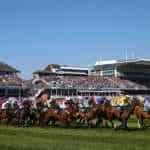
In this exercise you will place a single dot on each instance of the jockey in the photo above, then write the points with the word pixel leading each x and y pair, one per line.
pixel 1 102
pixel 20 104
pixel 92 99
pixel 124 101
pixel 54 105
pixel 80 102
pixel 147 104
pixel 5 105
pixel 86 104
pixel 100 100
pixel 46 105
pixel 121 102
pixel 11 103
pixel 34 105
pixel 69 102
pixel 26 104
pixel 115 101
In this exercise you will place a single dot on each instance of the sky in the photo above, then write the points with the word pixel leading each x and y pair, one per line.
pixel 35 33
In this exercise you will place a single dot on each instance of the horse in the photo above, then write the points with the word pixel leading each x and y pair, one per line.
pixel 67 115
pixel 111 113
pixel 141 115
pixel 88 116
pixel 25 116
pixel 8 115
pixel 36 111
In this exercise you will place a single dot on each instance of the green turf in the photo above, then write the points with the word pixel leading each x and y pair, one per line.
pixel 12 138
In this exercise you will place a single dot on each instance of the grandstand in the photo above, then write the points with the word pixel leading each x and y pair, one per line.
pixel 10 83
pixel 106 78
pixel 131 72
pixel 7 70
pixel 132 68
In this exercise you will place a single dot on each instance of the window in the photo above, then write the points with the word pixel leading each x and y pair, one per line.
pixel 108 72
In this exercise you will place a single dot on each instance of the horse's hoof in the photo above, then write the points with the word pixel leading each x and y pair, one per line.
pixel 116 127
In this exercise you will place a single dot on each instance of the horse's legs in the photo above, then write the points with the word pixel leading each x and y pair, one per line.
pixel 81 120
pixel 110 119
pixel 141 122
pixel 124 118
pixel 105 124
pixel 90 124
pixel 51 121
pixel 22 120
pixel 99 121
pixel 112 124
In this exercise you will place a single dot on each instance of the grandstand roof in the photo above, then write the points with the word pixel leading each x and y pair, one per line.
pixel 7 68
pixel 124 62
pixel 55 68
pixel 74 68
pixel 69 72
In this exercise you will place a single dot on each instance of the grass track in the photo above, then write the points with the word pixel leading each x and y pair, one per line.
pixel 12 138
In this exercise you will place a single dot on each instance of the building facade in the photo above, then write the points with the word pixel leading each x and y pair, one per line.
pixel 133 68
pixel 7 70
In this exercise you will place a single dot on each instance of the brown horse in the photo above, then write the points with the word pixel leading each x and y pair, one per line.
pixel 38 114
pixel 111 113
pixel 91 114
pixel 4 116
pixel 9 116
pixel 141 116
pixel 67 116
pixel 25 115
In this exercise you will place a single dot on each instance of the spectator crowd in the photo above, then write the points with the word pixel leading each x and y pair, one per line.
pixel 90 82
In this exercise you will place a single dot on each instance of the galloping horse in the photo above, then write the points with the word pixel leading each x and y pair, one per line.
pixel 25 113
pixel 111 113
pixel 8 115
pixel 91 114
pixel 37 106
pixel 141 115
pixel 67 115
pixel 4 115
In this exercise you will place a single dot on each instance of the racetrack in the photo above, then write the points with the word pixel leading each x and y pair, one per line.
pixel 12 138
